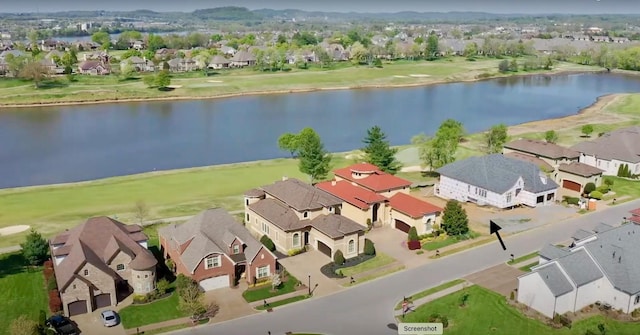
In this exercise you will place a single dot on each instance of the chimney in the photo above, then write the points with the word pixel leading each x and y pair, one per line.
pixel 333 182
pixel 284 178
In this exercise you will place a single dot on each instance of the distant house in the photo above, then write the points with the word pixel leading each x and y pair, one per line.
pixel 138 64
pixel 219 62
pixel 227 50
pixel 182 65
pixel 294 214
pixel 164 53
pixel 51 66
pixel 93 67
pixel 54 53
pixel 97 264
pixel 216 250
pixel 242 59
pixel 497 181
pixel 600 266
pixel 611 150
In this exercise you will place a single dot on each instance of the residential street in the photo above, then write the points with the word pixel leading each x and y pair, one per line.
pixel 368 308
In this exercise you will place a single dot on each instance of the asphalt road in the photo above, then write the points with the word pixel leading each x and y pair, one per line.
pixel 368 308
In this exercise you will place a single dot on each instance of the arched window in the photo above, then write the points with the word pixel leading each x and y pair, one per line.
pixel 296 239
pixel 352 246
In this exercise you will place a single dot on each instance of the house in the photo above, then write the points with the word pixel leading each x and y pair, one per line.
pixel 601 266
pixel 611 150
pixel 294 215
pixel 372 178
pixel 219 62
pixel 97 264
pixel 561 162
pixel 165 53
pixel 408 211
pixel 496 180
pixel 182 65
pixel 53 54
pixel 138 64
pixel 242 59
pixel 635 216
pixel 216 251
pixel 93 67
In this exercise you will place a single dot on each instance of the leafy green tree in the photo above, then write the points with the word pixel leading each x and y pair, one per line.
pixel 369 247
pixel 288 142
pixel 268 243
pixel 155 42
pixel 589 187
pixel 101 37
pixel 191 298
pixel 378 151
pixel 445 143
pixel 454 220
pixel 503 66
pixel 513 66
pixel 15 64
pixel 587 129
pixel 35 248
pixel 551 136
pixel 163 80
pixel 314 159
pixel 423 142
pixel 149 80
pixel 413 234
pixel 495 138
pixel 608 182
pixel 34 71
pixel 338 258
pixel 432 47
pixel 471 49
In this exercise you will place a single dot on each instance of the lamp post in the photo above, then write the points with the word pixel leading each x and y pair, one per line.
pixel 309 285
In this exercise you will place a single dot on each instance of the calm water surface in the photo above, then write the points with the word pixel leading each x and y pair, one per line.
pixel 74 143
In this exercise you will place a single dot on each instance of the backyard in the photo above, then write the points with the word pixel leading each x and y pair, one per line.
pixel 488 312
pixel 23 291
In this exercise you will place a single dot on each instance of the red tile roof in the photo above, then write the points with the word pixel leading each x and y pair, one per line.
pixel 377 181
pixel 635 215
pixel 355 195
pixel 412 206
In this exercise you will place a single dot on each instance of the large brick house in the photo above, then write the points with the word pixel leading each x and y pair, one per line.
pixel 97 264
pixel 216 250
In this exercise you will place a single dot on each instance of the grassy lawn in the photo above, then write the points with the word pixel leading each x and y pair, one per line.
pixel 488 313
pixel 441 242
pixel 626 187
pixel 282 302
pixel 527 268
pixel 22 290
pixel 157 311
pixel 264 292
pixel 431 291
pixel 523 258
pixel 376 275
pixel 379 260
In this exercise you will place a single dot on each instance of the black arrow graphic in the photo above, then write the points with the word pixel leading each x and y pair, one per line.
pixel 494 229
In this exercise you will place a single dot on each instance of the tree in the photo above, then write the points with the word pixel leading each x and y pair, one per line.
pixel 155 42
pixel 513 66
pixel 455 220
pixel 15 63
pixel 267 242
pixel 608 182
pixel 191 298
pixel 288 142
pixel 445 143
pixel 432 47
pixel 589 187
pixel 359 53
pixel 423 142
pixel 23 326
pixel 101 37
pixel 275 281
pixel 369 248
pixel 378 151
pixel 413 234
pixel 314 159
pixel 34 71
pixel 551 136
pixel 471 49
pixel 141 211
pixel 35 248
pixel 163 80
pixel 495 138
pixel 338 258
pixel 587 129
pixel 503 66
pixel 149 80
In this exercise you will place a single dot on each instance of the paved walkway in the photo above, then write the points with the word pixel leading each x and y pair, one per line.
pixel 418 302
pixel 296 293
pixel 373 272
pixel 169 323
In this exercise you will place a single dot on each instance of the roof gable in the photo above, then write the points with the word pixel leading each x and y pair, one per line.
pixel 412 206
pixel 354 195
pixel 300 196
pixel 371 177
pixel 542 148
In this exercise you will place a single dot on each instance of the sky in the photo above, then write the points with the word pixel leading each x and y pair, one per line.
pixel 363 6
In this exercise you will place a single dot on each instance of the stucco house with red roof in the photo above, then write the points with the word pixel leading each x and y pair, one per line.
pixel 372 178
pixel 635 216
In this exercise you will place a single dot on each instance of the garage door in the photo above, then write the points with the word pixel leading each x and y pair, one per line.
pixel 325 249
pixel 215 283
pixel 103 300
pixel 571 185
pixel 77 307
pixel 402 226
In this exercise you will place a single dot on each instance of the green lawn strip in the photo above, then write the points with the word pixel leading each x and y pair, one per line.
pixel 376 275
pixel 157 311
pixel 523 258
pixel 22 290
pixel 441 242
pixel 262 293
pixel 282 302
pixel 431 291
pixel 473 244
pixel 527 268
pixel 488 312
pixel 379 260
pixel 627 187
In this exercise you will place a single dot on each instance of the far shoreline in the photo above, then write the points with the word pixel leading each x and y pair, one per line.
pixel 552 72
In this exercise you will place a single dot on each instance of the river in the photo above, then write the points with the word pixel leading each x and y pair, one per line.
pixel 47 145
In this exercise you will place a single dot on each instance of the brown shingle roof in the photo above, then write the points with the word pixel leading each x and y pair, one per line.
pixel 580 169
pixel 531 159
pixel 301 196
pixel 97 241
pixel 621 144
pixel 278 214
pixel 254 193
pixel 542 148
pixel 335 226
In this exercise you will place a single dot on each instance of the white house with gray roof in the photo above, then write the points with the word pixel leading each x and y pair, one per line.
pixel 612 149
pixel 496 180
pixel 600 266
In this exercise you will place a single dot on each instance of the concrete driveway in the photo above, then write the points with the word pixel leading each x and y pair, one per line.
pixel 393 242
pixel 91 324
pixel 501 278
pixel 309 263
pixel 232 304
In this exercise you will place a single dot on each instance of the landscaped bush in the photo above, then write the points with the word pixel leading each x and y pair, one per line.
pixel 139 299
pixel 170 264
pixel 571 200
pixel 436 317
pixel 162 286
pixel 332 270
pixel 338 258
pixel 55 303
pixel 52 284
pixel 562 320
pixel 635 313
pixel 590 187
pixel 369 248
pixel 369 224
pixel 296 251
pixel 604 189
pixel 596 195
pixel 267 242
pixel 425 236
pixel 412 236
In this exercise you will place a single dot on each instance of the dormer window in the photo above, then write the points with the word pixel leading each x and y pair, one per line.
pixel 236 248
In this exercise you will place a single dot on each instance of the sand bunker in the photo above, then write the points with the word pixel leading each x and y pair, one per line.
pixel 174 86
pixel 214 81
pixel 400 76
pixel 419 75
pixel 13 230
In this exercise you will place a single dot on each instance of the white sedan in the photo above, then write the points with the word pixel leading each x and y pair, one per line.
pixel 109 318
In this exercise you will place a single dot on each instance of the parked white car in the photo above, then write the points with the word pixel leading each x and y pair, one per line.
pixel 109 318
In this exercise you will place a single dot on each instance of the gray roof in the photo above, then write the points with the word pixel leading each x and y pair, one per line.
pixel 278 214
pixel 335 226
pixel 580 267
pixel 555 279
pixel 582 234
pixel 550 251
pixel 621 144
pixel 300 196
pixel 243 56
pixel 542 148
pixel 602 227
pixel 580 169
pixel 498 173
pixel 210 231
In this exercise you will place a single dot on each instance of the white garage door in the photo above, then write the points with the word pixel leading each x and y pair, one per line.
pixel 215 283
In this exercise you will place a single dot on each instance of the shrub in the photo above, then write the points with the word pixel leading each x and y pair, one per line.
pixel 445 321
pixel 608 182
pixel 369 248
pixel 635 313
pixel 267 242
pixel 369 224
pixel 562 320
pixel 139 299
pixel 419 252
pixel 590 187
pixel 296 251
pixel 52 284
pixel 170 264
pixel 55 303
pixel 571 200
pixel 596 195
pixel 512 295
pixel 162 286
pixel 604 189
pixel 413 234
pixel 433 317
pixel 338 258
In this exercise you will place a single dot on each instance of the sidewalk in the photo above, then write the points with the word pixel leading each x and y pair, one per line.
pixel 169 323
pixel 525 263
pixel 417 303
